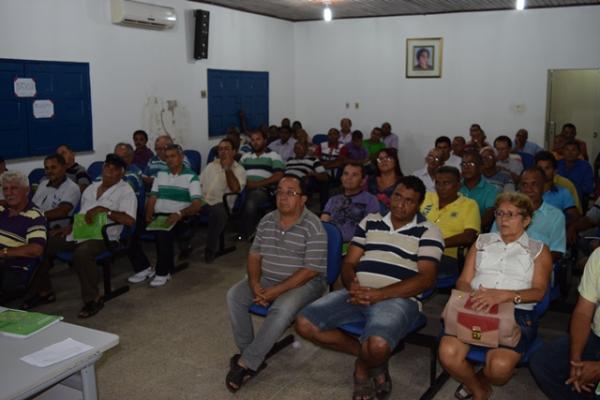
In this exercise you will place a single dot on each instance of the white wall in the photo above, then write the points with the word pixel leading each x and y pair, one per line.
pixel 492 62
pixel 128 65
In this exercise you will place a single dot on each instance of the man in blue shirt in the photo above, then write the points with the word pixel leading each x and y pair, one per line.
pixel 556 195
pixel 522 145
pixel 576 170
pixel 477 188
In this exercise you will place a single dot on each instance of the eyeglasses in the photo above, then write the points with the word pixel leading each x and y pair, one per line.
pixel 383 159
pixel 508 214
pixel 287 193
pixel 432 158
pixel 468 164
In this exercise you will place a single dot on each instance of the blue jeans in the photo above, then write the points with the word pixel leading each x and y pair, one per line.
pixel 550 366
pixel 282 313
pixel 389 319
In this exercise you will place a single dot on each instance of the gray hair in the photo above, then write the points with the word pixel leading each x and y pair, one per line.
pixel 16 177
pixel 127 146
pixel 166 137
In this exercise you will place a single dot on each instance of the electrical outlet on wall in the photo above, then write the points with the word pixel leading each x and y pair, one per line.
pixel 347 105
pixel 356 105
pixel 203 94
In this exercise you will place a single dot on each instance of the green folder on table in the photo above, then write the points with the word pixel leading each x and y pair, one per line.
pixel 159 223
pixel 22 324
pixel 84 231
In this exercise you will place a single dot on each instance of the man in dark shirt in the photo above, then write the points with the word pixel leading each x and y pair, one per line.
pixel 142 153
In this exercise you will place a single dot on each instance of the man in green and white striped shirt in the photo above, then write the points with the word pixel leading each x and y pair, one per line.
pixel 176 193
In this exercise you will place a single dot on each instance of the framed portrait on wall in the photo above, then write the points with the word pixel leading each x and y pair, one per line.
pixel 424 58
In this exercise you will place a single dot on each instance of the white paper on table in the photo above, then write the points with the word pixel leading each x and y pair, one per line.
pixel 56 353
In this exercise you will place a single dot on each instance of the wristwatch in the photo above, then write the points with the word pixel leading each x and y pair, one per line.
pixel 517 299
pixel 109 213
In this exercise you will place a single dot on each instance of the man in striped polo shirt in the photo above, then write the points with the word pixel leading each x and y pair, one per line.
pixel 286 271
pixel 22 234
pixel 176 193
pixel 310 170
pixel 264 169
pixel 159 161
pixel 391 259
pixel 329 152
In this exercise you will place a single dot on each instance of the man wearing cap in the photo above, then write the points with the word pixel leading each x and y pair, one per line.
pixel 112 196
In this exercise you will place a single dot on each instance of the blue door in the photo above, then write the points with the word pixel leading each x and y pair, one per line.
pixel 67 86
pixel 229 92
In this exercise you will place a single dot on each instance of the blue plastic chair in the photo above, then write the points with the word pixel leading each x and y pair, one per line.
pixel 319 138
pixel 334 264
pixel 212 154
pixel 195 159
pixel 35 176
pixel 95 170
pixel 527 159
pixel 106 258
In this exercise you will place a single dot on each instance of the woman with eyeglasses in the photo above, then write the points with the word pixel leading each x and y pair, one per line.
pixel 503 267
pixel 386 177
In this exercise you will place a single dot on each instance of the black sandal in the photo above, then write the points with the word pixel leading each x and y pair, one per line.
pixel 383 389
pixel 363 389
pixel 239 375
pixel 90 309
pixel 37 300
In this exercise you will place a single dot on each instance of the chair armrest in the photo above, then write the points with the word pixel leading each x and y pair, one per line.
pixel 124 237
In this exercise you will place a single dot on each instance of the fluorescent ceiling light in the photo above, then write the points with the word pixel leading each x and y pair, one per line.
pixel 327 14
pixel 520 5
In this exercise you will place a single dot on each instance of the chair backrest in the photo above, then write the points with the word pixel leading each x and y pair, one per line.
pixel 212 154
pixel 35 176
pixel 334 252
pixel 542 306
pixel 95 169
pixel 195 159
pixel 319 138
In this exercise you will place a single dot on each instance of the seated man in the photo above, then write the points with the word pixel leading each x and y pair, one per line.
pixel 158 162
pixel 389 138
pixel 142 153
pixel 346 210
pixel 56 195
pixel 223 175
pixel 355 152
pixel 22 234
pixel 569 132
pixel 284 146
pixel 577 171
pixel 455 215
pixel 264 169
pixel 381 285
pixel 310 170
pixel 458 147
pixel 286 267
pixel 548 222
pixel 175 193
pixel 554 194
pixel 478 138
pixel 374 143
pixel 510 163
pixel 433 161
pixel 345 131
pixel 569 368
pixel 590 220
pixel 444 145
pixel 475 187
pixel 111 196
pixel 495 175
pixel 523 145
pixel 329 152
pixel 75 172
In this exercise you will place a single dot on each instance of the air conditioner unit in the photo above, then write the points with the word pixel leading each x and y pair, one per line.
pixel 142 15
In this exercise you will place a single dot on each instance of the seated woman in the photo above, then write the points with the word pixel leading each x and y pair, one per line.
pixel 386 177
pixel 500 267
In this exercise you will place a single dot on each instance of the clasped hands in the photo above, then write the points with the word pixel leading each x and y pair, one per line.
pixel 584 376
pixel 362 295
pixel 483 299
pixel 264 296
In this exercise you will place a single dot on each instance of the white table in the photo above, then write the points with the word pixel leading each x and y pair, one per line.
pixel 19 380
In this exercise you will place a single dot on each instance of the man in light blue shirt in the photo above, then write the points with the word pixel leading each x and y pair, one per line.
pixel 522 145
pixel 477 188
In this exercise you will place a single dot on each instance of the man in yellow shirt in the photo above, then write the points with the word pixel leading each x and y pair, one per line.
pixel 457 217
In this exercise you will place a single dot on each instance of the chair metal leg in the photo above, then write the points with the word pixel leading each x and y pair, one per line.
pixel 280 345
pixel 436 382
pixel 222 249
pixel 109 293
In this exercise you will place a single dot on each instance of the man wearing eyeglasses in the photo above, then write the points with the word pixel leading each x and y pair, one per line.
pixel 223 175
pixel 286 271
pixel 427 174
pixel 475 187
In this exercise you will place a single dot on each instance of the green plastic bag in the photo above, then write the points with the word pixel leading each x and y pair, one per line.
pixel 85 231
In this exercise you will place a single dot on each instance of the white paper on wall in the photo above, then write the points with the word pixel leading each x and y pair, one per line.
pixel 25 87
pixel 43 109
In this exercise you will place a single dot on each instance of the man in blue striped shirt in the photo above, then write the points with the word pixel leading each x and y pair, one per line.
pixel 391 259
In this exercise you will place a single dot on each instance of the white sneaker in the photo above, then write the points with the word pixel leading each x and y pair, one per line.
pixel 160 280
pixel 141 276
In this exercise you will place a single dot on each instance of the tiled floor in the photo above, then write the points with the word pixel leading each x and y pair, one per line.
pixel 176 343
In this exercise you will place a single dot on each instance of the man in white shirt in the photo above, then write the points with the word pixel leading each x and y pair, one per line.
pixel 223 175
pixel 112 196
pixel 57 196
pixel 427 174
pixel 389 138
pixel 284 146
pixel 444 145
pixel 345 131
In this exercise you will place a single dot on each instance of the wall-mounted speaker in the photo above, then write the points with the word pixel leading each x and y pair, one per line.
pixel 201 34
